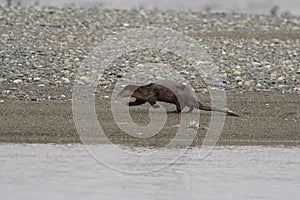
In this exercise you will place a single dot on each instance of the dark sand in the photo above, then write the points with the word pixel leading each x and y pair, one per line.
pixel 266 118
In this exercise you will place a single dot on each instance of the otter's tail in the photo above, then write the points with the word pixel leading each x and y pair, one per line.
pixel 208 108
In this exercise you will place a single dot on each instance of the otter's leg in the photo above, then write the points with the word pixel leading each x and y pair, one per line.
pixel 178 107
pixel 152 100
pixel 137 102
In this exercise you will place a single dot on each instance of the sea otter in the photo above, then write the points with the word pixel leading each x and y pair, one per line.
pixel 167 91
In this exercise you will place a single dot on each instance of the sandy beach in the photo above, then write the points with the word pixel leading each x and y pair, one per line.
pixel 265 118
pixel 42 49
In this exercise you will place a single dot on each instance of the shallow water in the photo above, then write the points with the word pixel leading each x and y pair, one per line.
pixel 48 171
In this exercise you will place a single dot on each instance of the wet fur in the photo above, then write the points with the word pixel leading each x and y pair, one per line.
pixel 166 91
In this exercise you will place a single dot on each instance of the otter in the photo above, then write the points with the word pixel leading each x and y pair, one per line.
pixel 167 91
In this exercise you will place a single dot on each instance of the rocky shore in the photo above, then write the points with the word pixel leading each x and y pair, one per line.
pixel 42 49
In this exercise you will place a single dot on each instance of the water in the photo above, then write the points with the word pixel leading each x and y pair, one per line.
pixel 50 171
pixel 244 6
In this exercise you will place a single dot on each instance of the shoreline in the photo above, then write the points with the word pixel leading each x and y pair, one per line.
pixel 266 118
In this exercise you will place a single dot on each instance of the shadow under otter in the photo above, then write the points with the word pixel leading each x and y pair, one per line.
pixel 167 91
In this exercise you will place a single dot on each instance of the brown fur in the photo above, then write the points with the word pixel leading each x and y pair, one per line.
pixel 169 92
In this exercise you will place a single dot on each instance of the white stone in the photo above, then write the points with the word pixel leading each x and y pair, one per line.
pixel 17 81
pixel 66 80
pixel 36 79
pixel 236 72
pixel 281 78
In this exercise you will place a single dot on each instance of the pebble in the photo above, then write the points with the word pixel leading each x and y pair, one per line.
pixel 17 81
pixel 259 85
pixel 273 75
pixel 281 78
pixel 238 78
pixel 84 78
pixel 52 97
pixel 247 83
pixel 36 79
pixel 193 125
pixel 43 52
pixel 296 89
pixel 66 80
pixel 255 64
pixel 236 72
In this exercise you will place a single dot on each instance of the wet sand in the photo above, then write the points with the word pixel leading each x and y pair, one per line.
pixel 265 118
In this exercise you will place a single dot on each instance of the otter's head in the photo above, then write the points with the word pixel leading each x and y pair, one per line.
pixel 128 91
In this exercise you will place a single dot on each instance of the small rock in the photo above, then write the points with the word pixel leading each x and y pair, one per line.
pixel 231 54
pixel 275 41
pixel 281 78
pixel 273 76
pixel 227 43
pixel 204 90
pixel 268 66
pixel 36 79
pixel 238 78
pixel 250 89
pixel 236 72
pixel 281 86
pixel 247 84
pixel 84 78
pixel 66 80
pixel 240 83
pixel 193 77
pixel 194 125
pixel 255 64
pixel 67 72
pixel 258 85
pixel 297 89
pixel 17 81
pixel 52 97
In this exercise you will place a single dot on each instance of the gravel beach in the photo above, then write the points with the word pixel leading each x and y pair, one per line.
pixel 258 58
